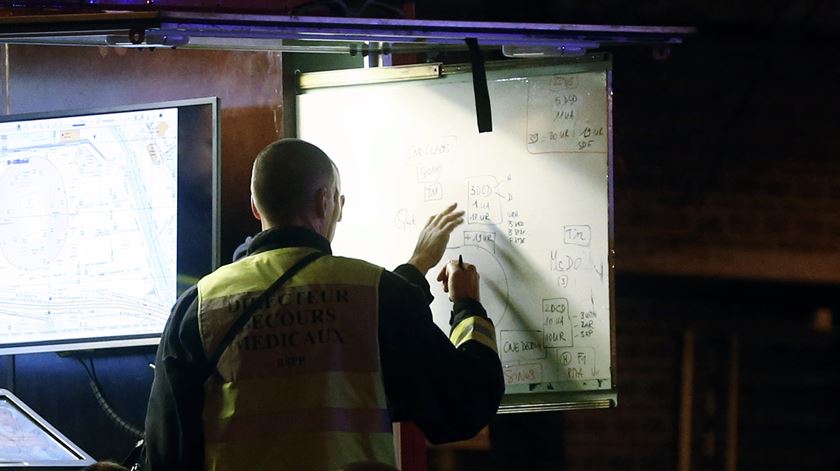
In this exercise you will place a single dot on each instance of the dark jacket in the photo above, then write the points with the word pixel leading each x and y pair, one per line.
pixel 449 393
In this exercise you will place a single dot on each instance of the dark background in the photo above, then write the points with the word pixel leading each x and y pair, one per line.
pixel 727 235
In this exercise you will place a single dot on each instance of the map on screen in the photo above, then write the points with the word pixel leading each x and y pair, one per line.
pixel 88 209
pixel 22 440
pixel 27 441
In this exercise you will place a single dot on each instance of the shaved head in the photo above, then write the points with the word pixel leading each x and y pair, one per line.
pixel 289 179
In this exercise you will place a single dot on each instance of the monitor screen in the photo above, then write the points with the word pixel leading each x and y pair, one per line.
pixel 105 217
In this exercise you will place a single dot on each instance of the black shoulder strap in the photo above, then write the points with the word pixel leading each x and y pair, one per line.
pixel 252 306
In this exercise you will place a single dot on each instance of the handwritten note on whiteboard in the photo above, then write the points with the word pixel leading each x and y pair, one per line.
pixel 535 191
pixel 566 113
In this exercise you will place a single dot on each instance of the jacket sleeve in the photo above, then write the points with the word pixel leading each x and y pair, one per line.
pixel 174 432
pixel 449 388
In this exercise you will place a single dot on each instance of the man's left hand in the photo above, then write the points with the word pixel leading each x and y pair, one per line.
pixel 433 238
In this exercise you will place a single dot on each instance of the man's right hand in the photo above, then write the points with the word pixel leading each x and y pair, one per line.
pixel 460 280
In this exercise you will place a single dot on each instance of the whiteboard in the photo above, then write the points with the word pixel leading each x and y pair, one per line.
pixel 536 191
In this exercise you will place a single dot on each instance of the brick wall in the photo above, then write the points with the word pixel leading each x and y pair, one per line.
pixel 726 159
pixel 640 434
pixel 761 389
pixel 726 168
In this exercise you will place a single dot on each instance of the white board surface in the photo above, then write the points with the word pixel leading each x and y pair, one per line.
pixel 536 192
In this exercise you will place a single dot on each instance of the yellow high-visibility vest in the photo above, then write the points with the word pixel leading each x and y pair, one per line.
pixel 300 388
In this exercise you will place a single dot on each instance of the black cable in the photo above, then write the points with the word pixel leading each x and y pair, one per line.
pixel 93 369
pixel 103 403
pixel 99 394
pixel 85 367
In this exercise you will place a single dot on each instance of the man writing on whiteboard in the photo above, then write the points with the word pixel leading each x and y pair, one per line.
pixel 319 368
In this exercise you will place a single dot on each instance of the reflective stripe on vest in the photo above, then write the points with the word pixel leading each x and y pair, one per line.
pixel 475 328
pixel 300 387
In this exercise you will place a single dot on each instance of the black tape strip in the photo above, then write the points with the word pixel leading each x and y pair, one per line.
pixel 482 95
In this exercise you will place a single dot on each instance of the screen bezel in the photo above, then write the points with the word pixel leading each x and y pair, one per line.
pixel 90 343
pixel 83 459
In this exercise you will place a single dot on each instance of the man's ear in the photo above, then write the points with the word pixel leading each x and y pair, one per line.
pixel 323 202
pixel 254 210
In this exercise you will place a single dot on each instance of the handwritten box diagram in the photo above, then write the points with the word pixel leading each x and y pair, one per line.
pixel 432 192
pixel 571 259
pixel 484 205
pixel 577 235
pixel 529 373
pixel 521 345
pixel 429 173
pixel 557 323
pixel 566 114
pixel 428 157
pixel 576 363
pixel 432 150
pixel 481 239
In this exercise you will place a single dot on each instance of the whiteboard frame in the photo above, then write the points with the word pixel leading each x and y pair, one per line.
pixel 520 402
